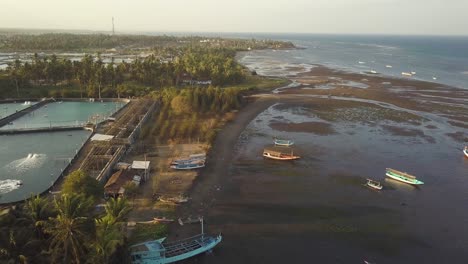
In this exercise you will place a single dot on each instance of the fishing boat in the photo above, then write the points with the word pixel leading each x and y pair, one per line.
pixel 374 184
pixel 406 74
pixel 162 220
pixel 188 166
pixel 389 66
pixel 187 161
pixel 465 151
pixel 280 154
pixel 179 199
pixel 161 252
pixel 403 177
pixel 283 142
pixel 373 72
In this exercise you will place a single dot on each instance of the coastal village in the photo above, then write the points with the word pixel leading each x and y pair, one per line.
pixel 186 144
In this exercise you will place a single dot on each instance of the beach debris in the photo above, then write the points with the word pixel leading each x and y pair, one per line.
pixel 189 220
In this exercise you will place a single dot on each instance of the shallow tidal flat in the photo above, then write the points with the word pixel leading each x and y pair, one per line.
pixel 36 160
pixel 317 207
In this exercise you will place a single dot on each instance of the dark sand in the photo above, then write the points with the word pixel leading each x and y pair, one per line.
pixel 316 209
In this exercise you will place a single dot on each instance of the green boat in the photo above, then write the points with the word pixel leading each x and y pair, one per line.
pixel 403 177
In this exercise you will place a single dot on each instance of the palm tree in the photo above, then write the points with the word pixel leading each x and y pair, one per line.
pixel 117 210
pixel 71 229
pixel 16 244
pixel 108 238
pixel 38 211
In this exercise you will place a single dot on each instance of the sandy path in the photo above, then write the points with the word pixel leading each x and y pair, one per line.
pixel 203 192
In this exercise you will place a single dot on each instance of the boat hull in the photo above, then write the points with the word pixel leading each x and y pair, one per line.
pixel 284 143
pixel 281 158
pixel 403 179
pixel 465 151
pixel 375 187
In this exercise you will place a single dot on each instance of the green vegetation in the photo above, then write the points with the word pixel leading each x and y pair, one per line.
pixel 79 182
pixel 63 230
pixel 100 42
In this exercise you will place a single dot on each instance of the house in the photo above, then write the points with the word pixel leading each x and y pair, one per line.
pixel 115 185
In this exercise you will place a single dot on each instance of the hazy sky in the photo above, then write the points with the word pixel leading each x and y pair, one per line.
pixel 428 17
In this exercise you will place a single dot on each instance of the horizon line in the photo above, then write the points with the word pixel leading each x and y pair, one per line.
pixel 149 32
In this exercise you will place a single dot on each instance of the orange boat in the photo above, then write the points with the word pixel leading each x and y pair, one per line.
pixel 280 154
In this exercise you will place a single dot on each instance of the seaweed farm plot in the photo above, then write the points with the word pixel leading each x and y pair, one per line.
pixel 65 114
pixel 31 163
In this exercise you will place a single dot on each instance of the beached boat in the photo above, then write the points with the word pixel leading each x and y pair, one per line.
pixel 406 74
pixel 187 161
pixel 284 142
pixel 465 151
pixel 374 184
pixel 403 177
pixel 191 159
pixel 188 166
pixel 280 154
pixel 162 220
pixel 179 199
pixel 161 252
pixel 373 72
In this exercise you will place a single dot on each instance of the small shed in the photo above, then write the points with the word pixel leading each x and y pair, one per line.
pixel 142 167
pixel 114 186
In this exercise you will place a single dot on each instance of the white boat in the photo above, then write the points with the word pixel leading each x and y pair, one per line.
pixel 284 142
pixel 373 72
pixel 434 78
pixel 374 184
pixel 389 66
pixel 465 151
pixel 406 74
pixel 361 62
pixel 413 73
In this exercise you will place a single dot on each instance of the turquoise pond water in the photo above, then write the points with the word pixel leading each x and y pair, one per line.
pixel 66 114
pixel 7 109
pixel 36 160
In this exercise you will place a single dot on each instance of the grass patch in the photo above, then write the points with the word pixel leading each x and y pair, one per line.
pixel 145 232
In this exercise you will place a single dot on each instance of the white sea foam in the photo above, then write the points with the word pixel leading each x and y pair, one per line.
pixel 31 161
pixel 9 185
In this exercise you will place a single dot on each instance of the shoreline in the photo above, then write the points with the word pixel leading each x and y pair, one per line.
pixel 215 177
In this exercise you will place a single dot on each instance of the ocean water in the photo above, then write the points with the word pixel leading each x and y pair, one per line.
pixel 437 59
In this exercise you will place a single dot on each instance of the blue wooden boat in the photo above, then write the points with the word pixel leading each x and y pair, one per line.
pixel 160 252
pixel 284 142
pixel 188 166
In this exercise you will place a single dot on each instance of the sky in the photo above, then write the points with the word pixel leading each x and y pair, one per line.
pixel 406 17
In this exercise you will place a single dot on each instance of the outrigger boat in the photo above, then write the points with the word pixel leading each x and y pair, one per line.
pixel 191 159
pixel 403 177
pixel 280 154
pixel 284 142
pixel 179 199
pixel 189 220
pixel 374 184
pixel 161 252
pixel 465 150
pixel 188 166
